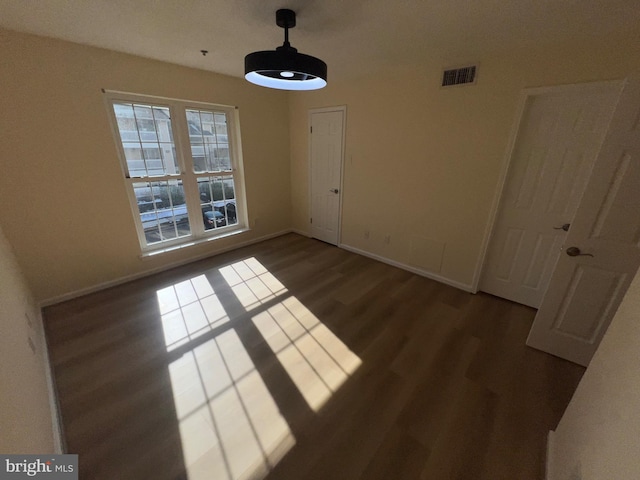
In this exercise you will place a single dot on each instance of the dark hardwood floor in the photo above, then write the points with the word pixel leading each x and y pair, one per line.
pixel 293 359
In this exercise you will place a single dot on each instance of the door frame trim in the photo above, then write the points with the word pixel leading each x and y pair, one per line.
pixel 525 95
pixel 337 108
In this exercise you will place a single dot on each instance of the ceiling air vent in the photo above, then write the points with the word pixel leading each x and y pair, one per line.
pixel 459 76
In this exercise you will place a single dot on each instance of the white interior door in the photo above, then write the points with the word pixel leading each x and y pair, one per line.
pixel 559 137
pixel 585 290
pixel 327 136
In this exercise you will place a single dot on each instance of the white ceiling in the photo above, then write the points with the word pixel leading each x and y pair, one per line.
pixel 350 35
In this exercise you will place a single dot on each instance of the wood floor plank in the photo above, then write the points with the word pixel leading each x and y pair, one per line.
pixel 399 456
pixel 294 359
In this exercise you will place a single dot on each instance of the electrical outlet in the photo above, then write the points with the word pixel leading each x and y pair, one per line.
pixel 366 234
pixel 387 239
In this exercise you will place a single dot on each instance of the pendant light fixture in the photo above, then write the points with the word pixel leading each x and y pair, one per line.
pixel 284 68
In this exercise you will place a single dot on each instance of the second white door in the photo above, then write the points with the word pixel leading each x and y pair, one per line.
pixel 558 140
pixel 327 136
pixel 602 251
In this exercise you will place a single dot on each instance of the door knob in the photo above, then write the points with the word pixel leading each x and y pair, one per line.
pixel 333 190
pixel 575 252
pixel 564 227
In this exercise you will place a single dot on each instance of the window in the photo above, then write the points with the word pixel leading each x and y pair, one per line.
pixel 182 166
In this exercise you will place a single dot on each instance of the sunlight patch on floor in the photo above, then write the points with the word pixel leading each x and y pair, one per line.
pixel 229 424
pixel 252 283
pixel 188 310
pixel 315 359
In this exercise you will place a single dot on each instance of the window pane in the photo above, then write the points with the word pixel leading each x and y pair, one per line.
pixel 147 139
pixel 229 189
pixel 163 211
pixel 217 201
pixel 209 141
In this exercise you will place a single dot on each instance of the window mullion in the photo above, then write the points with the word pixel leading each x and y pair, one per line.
pixel 235 152
pixel 183 147
pixel 156 178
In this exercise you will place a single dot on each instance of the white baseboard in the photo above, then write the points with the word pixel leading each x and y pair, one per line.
pixel 52 394
pixel 58 437
pixel 548 464
pixel 118 281
pixel 409 268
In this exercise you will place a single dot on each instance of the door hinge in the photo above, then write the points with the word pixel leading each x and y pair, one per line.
pixel 311 129
pixel 311 220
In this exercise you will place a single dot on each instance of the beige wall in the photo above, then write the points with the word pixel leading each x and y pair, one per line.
pixel 422 163
pixel 25 414
pixel 64 205
pixel 598 436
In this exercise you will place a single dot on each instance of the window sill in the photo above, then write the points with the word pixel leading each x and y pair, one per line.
pixel 152 253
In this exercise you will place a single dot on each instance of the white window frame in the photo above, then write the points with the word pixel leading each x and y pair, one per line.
pixel 180 130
